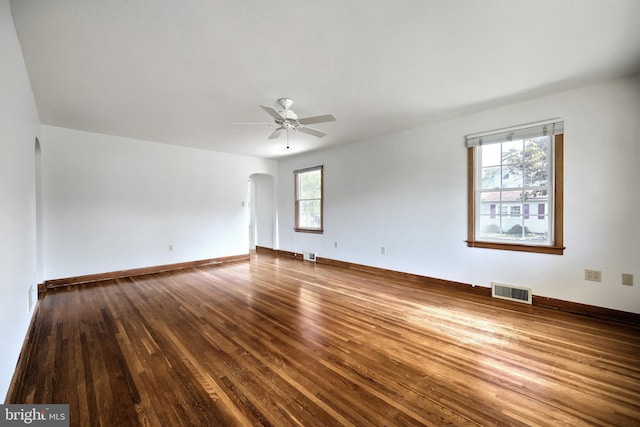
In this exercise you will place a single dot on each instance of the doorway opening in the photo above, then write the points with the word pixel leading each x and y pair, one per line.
pixel 262 218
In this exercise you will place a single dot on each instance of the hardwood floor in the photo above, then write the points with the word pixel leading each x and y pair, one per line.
pixel 281 342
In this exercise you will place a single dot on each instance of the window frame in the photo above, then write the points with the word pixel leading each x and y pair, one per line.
pixel 557 247
pixel 296 174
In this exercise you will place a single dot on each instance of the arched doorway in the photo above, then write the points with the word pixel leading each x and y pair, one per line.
pixel 262 231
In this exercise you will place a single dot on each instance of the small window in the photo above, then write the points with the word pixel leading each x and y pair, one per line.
pixel 309 195
pixel 508 171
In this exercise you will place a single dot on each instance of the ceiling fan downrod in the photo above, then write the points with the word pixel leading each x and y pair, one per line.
pixel 286 103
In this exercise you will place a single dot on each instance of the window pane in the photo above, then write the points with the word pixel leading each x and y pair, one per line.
pixel 541 196
pixel 488 209
pixel 537 229
pixel 536 149
pixel 512 225
pixel 309 185
pixel 490 155
pixel 309 214
pixel 490 196
pixel 512 196
pixel 536 162
pixel 534 176
pixel 512 152
pixel 490 227
pixel 512 176
pixel 491 177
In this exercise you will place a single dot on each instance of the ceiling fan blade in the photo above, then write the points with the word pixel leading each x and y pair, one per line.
pixel 311 131
pixel 317 119
pixel 272 112
pixel 276 133
pixel 268 124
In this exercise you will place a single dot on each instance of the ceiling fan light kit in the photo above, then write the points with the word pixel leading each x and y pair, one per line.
pixel 288 120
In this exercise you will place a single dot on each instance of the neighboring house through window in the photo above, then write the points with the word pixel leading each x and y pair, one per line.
pixel 510 170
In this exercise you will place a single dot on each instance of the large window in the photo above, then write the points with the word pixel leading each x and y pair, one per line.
pixel 309 194
pixel 515 188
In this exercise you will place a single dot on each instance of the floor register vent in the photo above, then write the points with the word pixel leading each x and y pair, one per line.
pixel 512 293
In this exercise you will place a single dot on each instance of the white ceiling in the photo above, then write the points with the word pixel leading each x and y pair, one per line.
pixel 184 71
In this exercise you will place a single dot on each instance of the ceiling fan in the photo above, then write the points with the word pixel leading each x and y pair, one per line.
pixel 287 120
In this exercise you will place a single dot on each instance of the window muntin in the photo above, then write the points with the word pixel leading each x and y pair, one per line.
pixel 309 195
pixel 516 188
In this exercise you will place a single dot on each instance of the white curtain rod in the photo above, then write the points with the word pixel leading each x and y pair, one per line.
pixel 514 128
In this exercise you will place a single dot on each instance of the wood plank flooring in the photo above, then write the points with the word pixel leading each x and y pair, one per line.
pixel 281 342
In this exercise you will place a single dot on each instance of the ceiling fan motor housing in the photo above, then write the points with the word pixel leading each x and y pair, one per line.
pixel 288 114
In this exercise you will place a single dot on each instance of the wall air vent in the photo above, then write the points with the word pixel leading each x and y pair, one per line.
pixel 513 293
pixel 309 256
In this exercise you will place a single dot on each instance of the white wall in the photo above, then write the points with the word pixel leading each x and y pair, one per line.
pixel 407 192
pixel 112 203
pixel 18 264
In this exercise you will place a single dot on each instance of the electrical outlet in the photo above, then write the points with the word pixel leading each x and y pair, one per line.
pixel 170 248
pixel 383 250
pixel 593 275
pixel 627 279
pixel 335 245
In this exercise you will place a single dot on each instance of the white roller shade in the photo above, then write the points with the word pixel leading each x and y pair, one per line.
pixel 531 130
